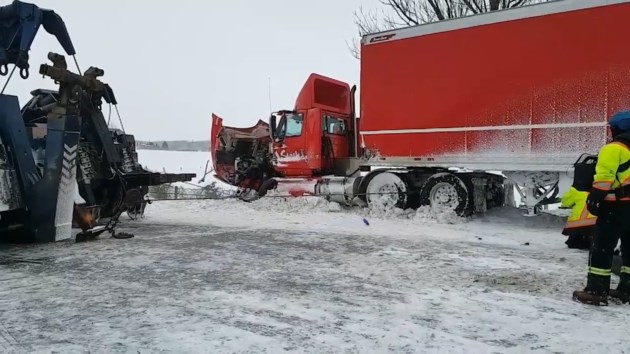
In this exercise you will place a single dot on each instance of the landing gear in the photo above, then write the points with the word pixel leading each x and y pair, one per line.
pixel 538 189
pixel 127 200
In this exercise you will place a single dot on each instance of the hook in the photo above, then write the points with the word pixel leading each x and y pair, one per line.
pixel 24 73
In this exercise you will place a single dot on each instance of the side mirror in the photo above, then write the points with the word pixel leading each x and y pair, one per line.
pixel 273 127
pixel 278 128
pixel 281 130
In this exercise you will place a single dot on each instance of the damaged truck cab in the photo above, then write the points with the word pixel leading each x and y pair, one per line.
pixel 309 139
pixel 314 149
pixel 296 146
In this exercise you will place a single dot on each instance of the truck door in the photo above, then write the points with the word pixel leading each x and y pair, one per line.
pixel 290 145
pixel 335 142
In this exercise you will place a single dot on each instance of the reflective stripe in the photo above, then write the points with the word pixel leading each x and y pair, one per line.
pixel 613 198
pixel 585 219
pixel 580 223
pixel 586 215
pixel 599 271
pixel 603 185
pixel 625 270
pixel 625 182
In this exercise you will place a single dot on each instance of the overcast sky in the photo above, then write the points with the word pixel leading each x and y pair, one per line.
pixel 173 63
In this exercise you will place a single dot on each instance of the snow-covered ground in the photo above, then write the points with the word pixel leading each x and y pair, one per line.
pixel 303 275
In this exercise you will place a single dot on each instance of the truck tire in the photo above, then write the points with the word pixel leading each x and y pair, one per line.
pixel 387 189
pixel 266 186
pixel 446 191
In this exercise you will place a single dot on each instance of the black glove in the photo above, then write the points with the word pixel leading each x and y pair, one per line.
pixel 594 201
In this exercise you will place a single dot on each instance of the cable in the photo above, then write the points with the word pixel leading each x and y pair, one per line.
pixel 120 119
pixel 109 116
pixel 8 79
pixel 122 127
pixel 77 64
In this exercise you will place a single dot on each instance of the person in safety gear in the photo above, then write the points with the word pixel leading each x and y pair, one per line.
pixel 609 200
pixel 580 223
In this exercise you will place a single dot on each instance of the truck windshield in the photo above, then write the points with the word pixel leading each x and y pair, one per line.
pixel 294 124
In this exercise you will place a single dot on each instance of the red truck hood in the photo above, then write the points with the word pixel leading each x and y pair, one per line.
pixel 228 143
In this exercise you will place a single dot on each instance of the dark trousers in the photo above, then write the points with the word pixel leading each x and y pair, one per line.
pixel 613 224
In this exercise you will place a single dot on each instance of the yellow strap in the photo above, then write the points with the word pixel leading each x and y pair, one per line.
pixel 599 271
pixel 625 270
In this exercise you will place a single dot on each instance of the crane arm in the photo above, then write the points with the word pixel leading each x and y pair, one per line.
pixel 19 23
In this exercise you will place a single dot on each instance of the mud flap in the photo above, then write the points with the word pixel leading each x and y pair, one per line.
pixel 479 195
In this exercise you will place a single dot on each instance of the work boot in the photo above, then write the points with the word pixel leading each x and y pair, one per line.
pixel 617 263
pixel 622 293
pixel 590 297
pixel 622 296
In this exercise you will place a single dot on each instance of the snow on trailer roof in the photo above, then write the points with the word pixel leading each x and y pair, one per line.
pixel 511 14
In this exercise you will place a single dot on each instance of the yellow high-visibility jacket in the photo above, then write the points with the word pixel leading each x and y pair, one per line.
pixel 607 176
pixel 580 219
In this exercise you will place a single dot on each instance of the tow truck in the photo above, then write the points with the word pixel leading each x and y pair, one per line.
pixel 39 144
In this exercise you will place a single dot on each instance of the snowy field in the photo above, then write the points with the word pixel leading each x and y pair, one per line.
pixel 176 161
pixel 305 276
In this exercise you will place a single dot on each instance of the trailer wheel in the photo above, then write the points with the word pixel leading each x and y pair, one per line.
pixel 446 191
pixel 386 189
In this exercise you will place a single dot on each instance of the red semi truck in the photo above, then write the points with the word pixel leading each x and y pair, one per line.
pixel 444 106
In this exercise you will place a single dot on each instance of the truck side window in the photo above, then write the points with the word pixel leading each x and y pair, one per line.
pixel 335 126
pixel 294 125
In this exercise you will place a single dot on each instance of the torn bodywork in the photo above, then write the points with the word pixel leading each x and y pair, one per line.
pixel 241 156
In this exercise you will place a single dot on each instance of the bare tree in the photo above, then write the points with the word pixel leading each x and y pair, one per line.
pixel 403 13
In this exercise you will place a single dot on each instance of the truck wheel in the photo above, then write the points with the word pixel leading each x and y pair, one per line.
pixel 386 189
pixel 446 191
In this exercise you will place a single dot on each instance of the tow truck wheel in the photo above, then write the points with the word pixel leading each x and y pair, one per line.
pixel 386 189
pixel 445 191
